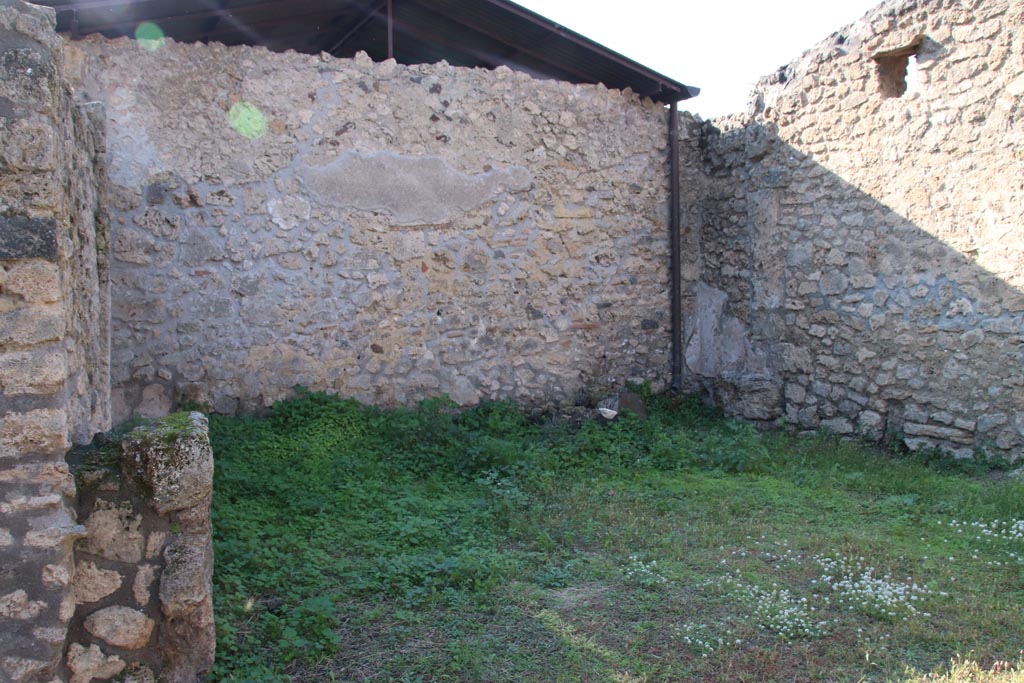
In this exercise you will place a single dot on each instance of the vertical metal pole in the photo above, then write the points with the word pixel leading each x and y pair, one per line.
pixel 674 256
pixel 391 31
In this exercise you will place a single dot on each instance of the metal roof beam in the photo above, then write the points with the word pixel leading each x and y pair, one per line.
pixel 545 48
pixel 427 35
pixel 68 5
pixel 370 16
pixel 519 49
pixel 204 14
pixel 219 34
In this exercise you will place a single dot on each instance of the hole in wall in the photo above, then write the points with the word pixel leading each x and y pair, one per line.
pixel 898 69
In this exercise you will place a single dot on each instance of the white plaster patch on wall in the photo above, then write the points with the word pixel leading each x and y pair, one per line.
pixel 288 212
pixel 133 155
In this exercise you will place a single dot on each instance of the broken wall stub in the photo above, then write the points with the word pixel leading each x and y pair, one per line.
pixel 868 239
pixel 382 231
pixel 143 571
pixel 54 388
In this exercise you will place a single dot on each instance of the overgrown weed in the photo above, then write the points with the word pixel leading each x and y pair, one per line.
pixel 434 544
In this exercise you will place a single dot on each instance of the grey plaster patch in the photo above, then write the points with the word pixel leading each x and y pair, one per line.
pixel 13 40
pixel 10 110
pixel 22 237
pixel 413 189
pixel 719 348
pixel 703 331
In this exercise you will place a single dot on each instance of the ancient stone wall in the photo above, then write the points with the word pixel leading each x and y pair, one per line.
pixel 143 571
pixel 54 386
pixel 862 234
pixel 386 232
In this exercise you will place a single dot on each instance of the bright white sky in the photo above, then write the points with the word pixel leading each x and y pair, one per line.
pixel 721 46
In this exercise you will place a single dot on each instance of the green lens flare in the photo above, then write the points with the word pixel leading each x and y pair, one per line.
pixel 150 36
pixel 247 119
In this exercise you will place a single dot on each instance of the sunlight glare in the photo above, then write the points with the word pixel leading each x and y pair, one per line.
pixel 150 36
pixel 247 120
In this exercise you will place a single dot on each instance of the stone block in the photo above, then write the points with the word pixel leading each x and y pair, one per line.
pixel 91 663
pixel 155 402
pixel 795 393
pixel 52 476
pixel 188 640
pixel 40 370
pixel 186 579
pixel 114 532
pixel 833 283
pixel 838 425
pixel 55 536
pixel 42 432
pixel 32 325
pixel 16 605
pixel 871 425
pixel 938 433
pixel 56 576
pixel 23 670
pixel 92 584
pixel 22 504
pixel 51 635
pixel 143 584
pixel 35 281
pixel 155 544
pixel 172 459
pixel 990 421
pixel 123 627
pixel 1008 439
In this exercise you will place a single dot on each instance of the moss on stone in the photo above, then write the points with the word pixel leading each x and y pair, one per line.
pixel 165 430
pixel 169 460
pixel 96 461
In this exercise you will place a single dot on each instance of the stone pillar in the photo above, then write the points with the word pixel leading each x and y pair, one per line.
pixel 53 373
pixel 144 572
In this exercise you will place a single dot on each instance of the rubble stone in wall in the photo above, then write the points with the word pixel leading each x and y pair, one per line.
pixel 145 575
pixel 122 627
pixel 92 584
pixel 114 532
pixel 87 664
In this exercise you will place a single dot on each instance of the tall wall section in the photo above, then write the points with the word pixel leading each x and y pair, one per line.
pixel 861 234
pixel 387 232
pixel 54 306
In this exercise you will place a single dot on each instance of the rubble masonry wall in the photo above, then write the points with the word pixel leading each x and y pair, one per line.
pixel 861 252
pixel 54 358
pixel 382 231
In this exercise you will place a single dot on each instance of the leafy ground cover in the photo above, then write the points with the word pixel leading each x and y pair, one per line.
pixel 357 544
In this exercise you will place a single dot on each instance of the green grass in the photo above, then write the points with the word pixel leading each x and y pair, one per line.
pixel 357 544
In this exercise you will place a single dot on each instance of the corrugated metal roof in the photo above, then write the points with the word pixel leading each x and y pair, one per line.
pixel 485 33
